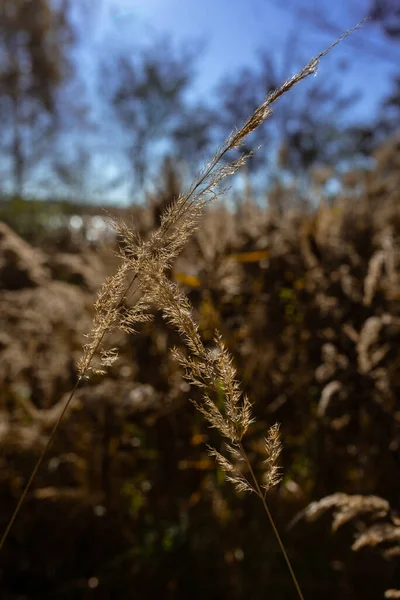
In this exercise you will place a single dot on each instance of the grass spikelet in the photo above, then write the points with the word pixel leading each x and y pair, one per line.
pixel 214 372
pixel 273 449
pixel 106 318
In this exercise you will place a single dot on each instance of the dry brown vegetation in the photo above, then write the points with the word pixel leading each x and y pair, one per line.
pixel 309 306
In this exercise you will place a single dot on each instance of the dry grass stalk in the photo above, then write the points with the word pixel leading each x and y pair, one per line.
pixel 379 533
pixel 346 508
pixel 212 370
pixel 143 267
pixel 385 530
pixel 178 223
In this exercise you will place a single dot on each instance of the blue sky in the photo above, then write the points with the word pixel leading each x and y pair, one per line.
pixel 234 30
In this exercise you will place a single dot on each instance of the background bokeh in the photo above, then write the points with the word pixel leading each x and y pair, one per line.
pixel 115 105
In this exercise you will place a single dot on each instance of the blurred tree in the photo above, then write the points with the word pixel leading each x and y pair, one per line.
pixel 149 97
pixel 34 37
pixel 387 13
pixel 74 173
pixel 77 171
pixel 391 106
pixel 193 134
pixel 369 136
